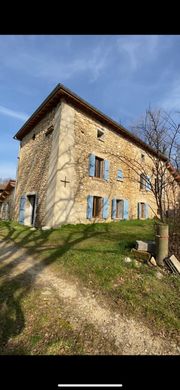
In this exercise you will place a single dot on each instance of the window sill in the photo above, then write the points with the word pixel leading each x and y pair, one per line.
pixel 98 178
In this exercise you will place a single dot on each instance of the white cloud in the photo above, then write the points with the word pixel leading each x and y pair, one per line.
pixel 37 62
pixel 59 69
pixel 14 114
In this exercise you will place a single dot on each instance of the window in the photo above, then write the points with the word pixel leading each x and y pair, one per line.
pixel 143 215
pixel 143 210
pixel 142 182
pixel 119 209
pixel 100 134
pixel 120 175
pixel 49 131
pixel 97 206
pixel 142 157
pixel 33 137
pixel 99 167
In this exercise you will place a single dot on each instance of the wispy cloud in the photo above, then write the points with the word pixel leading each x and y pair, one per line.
pixel 59 69
pixel 14 114
pixel 58 66
pixel 138 49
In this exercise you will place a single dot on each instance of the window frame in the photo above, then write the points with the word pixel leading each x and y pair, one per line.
pixel 101 134
pixel 99 168
pixel 118 201
pixel 97 207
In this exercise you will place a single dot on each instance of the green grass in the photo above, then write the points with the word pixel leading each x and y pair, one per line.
pixel 95 255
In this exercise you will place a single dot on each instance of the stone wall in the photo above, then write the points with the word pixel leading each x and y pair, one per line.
pixel 117 150
pixel 7 207
pixel 64 155
pixel 33 167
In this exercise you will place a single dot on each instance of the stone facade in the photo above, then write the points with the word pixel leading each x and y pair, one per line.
pixel 33 167
pixel 56 168
pixel 7 207
pixel 116 150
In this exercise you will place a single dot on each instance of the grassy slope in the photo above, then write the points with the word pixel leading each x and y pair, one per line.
pixel 95 254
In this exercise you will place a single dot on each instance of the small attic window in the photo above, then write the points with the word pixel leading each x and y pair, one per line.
pixel 49 130
pixel 142 157
pixel 100 134
pixel 33 137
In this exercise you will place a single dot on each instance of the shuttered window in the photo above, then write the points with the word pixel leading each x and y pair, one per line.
pixel 98 167
pixel 97 207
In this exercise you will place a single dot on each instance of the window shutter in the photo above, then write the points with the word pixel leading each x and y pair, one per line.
pixel 147 210
pixel 148 184
pixel 22 209
pixel 89 206
pixel 91 165
pixel 139 210
pixel 105 208
pixel 113 208
pixel 106 170
pixel 119 174
pixel 126 209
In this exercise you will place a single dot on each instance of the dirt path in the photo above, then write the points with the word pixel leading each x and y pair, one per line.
pixel 129 336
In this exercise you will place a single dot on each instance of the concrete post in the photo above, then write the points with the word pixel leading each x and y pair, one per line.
pixel 162 243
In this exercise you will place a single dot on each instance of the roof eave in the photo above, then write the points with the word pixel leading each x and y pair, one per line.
pixel 60 91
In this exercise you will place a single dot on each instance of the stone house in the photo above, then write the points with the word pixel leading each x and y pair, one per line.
pixel 74 166
pixel 7 200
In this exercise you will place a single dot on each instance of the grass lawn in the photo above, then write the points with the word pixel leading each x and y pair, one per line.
pixel 94 254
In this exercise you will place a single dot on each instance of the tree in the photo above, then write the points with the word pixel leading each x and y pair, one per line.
pixel 160 131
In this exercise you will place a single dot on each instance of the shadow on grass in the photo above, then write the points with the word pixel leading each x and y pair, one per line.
pixel 14 288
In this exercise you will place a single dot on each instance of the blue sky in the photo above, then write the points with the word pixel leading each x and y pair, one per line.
pixel 119 74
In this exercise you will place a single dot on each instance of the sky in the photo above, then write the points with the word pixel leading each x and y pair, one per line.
pixel 121 75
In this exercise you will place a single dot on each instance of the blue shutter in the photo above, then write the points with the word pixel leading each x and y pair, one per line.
pixel 113 208
pixel 119 174
pixel 148 184
pixel 105 208
pixel 126 209
pixel 91 165
pixel 147 210
pixel 89 206
pixel 22 208
pixel 139 210
pixel 106 170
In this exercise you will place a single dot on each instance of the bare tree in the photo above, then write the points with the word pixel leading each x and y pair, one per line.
pixel 160 131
